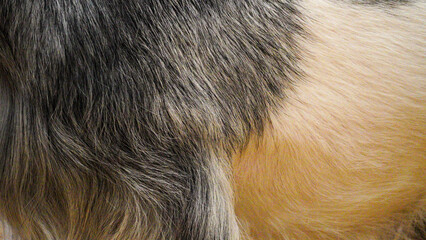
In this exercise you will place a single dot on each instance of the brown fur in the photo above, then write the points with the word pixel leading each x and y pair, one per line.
pixel 344 157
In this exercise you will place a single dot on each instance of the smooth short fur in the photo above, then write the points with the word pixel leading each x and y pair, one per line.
pixel 345 156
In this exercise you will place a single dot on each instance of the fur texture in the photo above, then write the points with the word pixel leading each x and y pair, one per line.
pixel 139 119
pixel 345 155
pixel 118 116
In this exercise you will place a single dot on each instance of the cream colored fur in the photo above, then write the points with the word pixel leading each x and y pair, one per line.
pixel 345 155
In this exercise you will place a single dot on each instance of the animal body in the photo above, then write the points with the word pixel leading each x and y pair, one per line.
pixel 214 119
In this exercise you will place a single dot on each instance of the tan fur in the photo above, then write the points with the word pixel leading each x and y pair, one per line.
pixel 344 157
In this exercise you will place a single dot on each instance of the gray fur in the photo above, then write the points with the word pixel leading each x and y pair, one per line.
pixel 118 116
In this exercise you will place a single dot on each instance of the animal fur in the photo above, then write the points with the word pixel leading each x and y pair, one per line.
pixel 215 119
pixel 344 156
